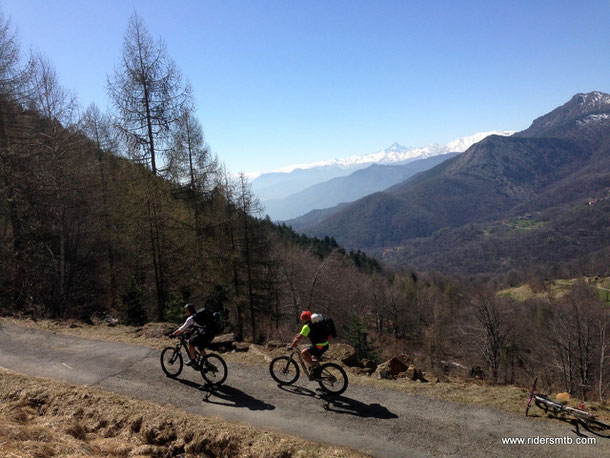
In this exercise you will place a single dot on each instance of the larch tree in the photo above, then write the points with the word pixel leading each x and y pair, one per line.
pixel 148 93
pixel 149 96
pixel 98 128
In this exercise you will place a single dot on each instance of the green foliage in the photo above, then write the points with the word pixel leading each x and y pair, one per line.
pixel 134 310
pixel 321 248
pixel 365 263
pixel 358 337
pixel 174 308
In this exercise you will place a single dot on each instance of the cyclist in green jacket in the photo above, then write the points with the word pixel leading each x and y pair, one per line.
pixel 319 343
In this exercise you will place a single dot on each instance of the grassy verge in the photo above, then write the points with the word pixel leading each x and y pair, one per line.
pixel 557 288
pixel 40 418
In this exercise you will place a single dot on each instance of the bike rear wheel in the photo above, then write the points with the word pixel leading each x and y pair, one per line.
pixel 284 370
pixel 171 362
pixel 333 378
pixel 213 369
pixel 597 427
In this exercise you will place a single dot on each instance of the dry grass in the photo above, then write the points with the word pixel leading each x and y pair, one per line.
pixel 555 288
pixel 465 391
pixel 42 418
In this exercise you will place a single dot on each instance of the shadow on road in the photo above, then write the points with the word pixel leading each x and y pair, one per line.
pixel 228 396
pixel 343 404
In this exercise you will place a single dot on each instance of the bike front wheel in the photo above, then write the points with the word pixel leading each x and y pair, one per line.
pixel 284 370
pixel 171 362
pixel 213 369
pixel 332 379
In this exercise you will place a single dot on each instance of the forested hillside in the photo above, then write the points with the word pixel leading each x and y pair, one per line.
pixel 129 213
pixel 549 172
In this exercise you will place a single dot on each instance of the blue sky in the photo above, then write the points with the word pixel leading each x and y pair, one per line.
pixel 283 82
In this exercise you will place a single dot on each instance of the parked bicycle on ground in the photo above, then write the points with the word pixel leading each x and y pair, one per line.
pixel 285 371
pixel 586 419
pixel 212 367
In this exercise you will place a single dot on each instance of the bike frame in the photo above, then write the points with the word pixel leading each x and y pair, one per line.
pixel 557 407
pixel 182 343
pixel 300 360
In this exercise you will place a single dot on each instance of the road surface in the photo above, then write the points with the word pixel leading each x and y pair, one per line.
pixel 379 422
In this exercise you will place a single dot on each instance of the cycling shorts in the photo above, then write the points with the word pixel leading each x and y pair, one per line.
pixel 317 351
pixel 200 340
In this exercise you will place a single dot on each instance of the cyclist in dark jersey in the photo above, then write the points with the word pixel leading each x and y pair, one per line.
pixel 197 334
pixel 319 343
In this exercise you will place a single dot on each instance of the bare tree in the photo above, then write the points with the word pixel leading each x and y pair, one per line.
pixel 98 128
pixel 64 179
pixel 191 161
pixel 149 94
pixel 603 346
pixel 494 325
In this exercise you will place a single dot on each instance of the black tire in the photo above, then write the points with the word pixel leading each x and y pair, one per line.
pixel 284 370
pixel 213 369
pixel 171 362
pixel 597 427
pixel 333 378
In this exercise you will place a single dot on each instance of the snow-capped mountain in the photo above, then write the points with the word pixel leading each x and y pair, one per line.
pixel 285 181
pixel 398 154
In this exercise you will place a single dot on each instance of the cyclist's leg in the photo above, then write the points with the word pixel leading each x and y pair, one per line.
pixel 313 354
pixel 315 372
pixel 307 355
pixel 202 341
pixel 192 343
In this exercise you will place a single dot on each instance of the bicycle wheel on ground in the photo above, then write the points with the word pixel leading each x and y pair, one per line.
pixel 597 427
pixel 171 362
pixel 284 370
pixel 213 369
pixel 333 378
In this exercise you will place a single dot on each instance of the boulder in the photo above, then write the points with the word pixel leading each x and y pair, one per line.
pixel 157 330
pixel 391 368
pixel 344 353
pixel 370 365
pixel 223 342
pixel 413 373
pixel 102 317
pixel 477 372
pixel 359 371
pixel 275 344
pixel 241 346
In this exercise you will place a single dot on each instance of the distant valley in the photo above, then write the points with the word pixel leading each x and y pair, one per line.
pixel 456 215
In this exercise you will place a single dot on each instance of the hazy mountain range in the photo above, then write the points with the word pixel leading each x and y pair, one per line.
pixel 297 189
pixel 545 175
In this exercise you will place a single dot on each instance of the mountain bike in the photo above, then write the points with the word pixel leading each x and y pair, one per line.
pixel 285 371
pixel 586 419
pixel 212 367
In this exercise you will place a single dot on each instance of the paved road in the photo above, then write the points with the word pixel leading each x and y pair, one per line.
pixel 380 422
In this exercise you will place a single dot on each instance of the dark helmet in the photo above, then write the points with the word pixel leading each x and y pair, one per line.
pixel 191 308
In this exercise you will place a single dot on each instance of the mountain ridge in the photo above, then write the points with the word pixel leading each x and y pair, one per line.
pixel 291 179
pixel 497 178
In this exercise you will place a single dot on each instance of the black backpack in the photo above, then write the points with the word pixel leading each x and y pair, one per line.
pixel 210 321
pixel 322 331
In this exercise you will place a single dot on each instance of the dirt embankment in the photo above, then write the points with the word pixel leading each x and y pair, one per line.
pixel 42 418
